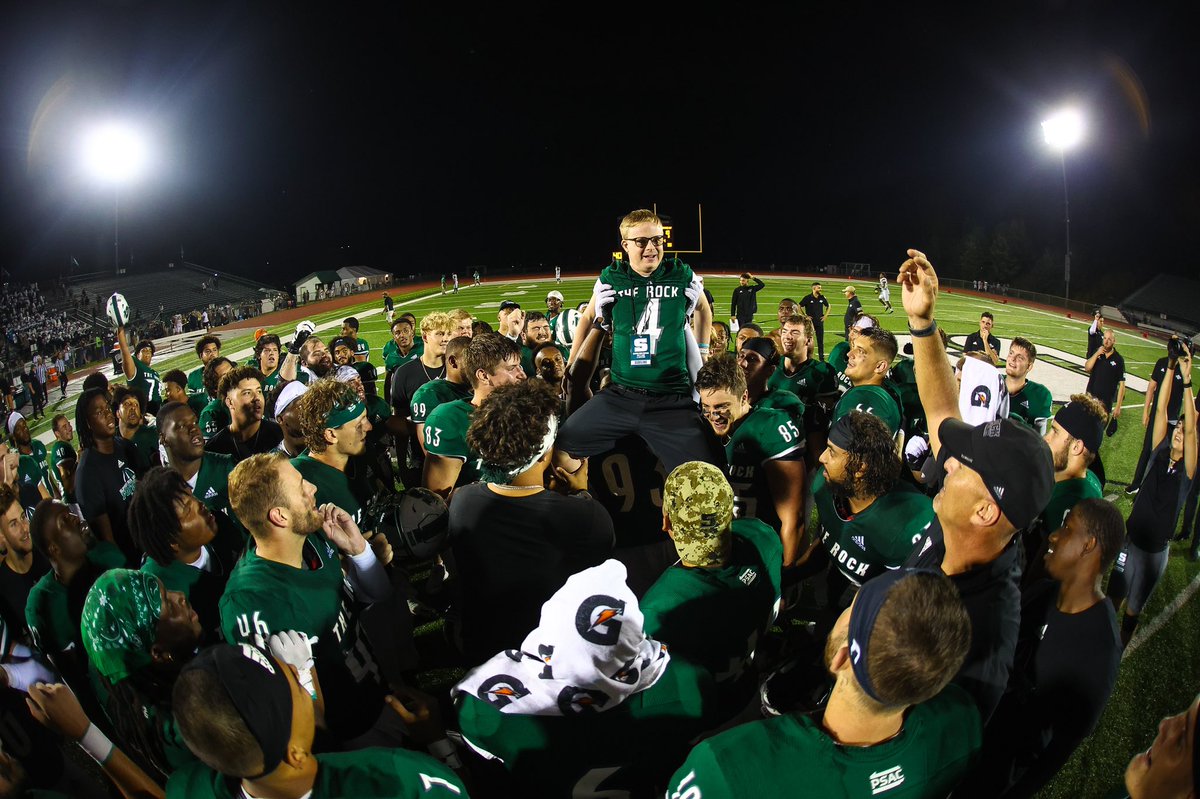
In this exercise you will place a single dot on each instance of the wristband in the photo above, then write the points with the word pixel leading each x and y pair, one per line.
pixel 1188 384
pixel 96 744
pixel 924 332
pixel 702 346
pixel 305 678
pixel 445 751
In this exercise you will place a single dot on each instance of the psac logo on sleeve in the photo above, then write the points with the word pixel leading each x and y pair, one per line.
pixel 886 780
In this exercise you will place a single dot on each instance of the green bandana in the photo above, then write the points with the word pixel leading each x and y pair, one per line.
pixel 120 621
pixel 342 414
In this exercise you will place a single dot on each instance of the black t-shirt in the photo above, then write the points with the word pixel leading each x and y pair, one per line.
pixel 974 343
pixel 1175 401
pixel 1156 507
pixel 513 553
pixel 268 437
pixel 14 591
pixel 104 484
pixel 816 307
pixel 1107 374
pixel 853 309
pixel 744 304
pixel 1063 674
pixel 992 596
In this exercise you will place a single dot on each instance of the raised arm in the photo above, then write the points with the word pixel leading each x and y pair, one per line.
pixel 935 378
pixel 1190 444
pixel 1159 431
pixel 126 356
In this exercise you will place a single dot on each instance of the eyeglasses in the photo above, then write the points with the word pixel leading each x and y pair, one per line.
pixel 642 241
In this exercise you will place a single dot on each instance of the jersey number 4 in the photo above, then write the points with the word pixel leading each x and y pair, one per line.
pixel 647 324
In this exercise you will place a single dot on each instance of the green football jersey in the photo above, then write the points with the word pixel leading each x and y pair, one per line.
pixel 714 617
pixel 265 597
pixel 270 381
pixel 145 438
pixel 214 418
pixel 881 537
pixel 1031 405
pixel 937 745
pixel 195 381
pixel 811 379
pixel 1066 495
pixel 394 359
pixel 628 481
pixel 198 402
pixel 33 469
pixel 626 751
pixel 903 378
pixel 649 316
pixel 212 481
pixel 61 452
pixel 47 609
pixel 874 400
pixel 362 349
pixel 348 490
pixel 446 435
pixel 765 434
pixel 838 358
pixel 363 773
pixel 146 381
pixel 434 393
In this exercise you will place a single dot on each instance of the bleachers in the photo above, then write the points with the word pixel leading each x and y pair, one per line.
pixel 176 290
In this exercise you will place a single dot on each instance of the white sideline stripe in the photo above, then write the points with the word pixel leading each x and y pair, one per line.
pixel 1143 633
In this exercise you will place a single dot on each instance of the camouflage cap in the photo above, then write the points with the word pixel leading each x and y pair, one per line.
pixel 698 501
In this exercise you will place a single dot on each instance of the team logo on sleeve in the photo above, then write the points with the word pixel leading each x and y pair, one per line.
pixel 886 780
pixel 981 397
pixel 502 690
pixel 573 701
pixel 598 619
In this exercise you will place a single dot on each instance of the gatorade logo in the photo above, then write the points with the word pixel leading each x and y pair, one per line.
pixel 886 780
pixel 981 397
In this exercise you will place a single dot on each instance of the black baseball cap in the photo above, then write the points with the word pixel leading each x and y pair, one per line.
pixel 1014 462
pixel 509 304
pixel 341 342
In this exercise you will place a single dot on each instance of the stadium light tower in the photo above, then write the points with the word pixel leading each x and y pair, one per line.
pixel 115 155
pixel 1063 131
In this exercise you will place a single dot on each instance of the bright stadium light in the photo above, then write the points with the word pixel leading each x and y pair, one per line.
pixel 115 154
pixel 1063 131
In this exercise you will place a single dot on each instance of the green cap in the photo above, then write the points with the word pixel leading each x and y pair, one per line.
pixel 698 501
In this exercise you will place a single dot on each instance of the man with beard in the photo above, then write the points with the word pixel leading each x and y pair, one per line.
pixel 131 424
pixel 334 421
pixel 342 350
pixel 813 381
pixel 248 432
pixel 316 361
pixel 1027 400
pixel 206 473
pixel 34 474
pixel 436 329
pixel 868 518
pixel 215 415
pixel 537 333
pixel 292 579
pixel 890 720
pixel 207 348
pixel 1106 375
pixel 764 452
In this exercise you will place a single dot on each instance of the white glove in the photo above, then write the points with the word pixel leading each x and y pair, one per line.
pixel 306 326
pixel 692 292
pixel 295 649
pixel 25 673
pixel 603 296
pixel 916 449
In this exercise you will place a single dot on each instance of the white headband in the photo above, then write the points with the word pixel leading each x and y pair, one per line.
pixel 289 394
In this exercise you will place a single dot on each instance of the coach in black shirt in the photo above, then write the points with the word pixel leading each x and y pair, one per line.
pixel 1107 370
pixel 853 309
pixel 998 478
pixel 984 341
pixel 817 308
pixel 745 304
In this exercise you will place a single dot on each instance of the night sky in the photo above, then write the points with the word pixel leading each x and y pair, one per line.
pixel 413 138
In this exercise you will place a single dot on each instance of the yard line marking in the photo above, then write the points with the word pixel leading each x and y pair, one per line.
pixel 1143 634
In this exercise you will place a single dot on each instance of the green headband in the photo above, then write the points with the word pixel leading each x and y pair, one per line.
pixel 120 621
pixel 341 414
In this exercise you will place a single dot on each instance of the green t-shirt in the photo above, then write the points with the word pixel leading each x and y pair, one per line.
pixel 33 469
pixel 937 745
pixel 212 481
pixel 195 381
pixel 618 752
pixel 881 537
pixel 714 617
pixel 446 435
pixel 214 418
pixel 811 379
pixel 764 434
pixel 394 359
pixel 362 773
pixel 649 316
pixel 1066 495
pixel 874 400
pixel 838 358
pixel 348 490
pixel 434 393
pixel 1031 405
pixel 47 610
pixel 61 452
pixel 146 381
pixel 265 597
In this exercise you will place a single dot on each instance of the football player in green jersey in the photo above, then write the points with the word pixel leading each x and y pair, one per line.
pixel 207 348
pixel 870 357
pixel 62 458
pixel 491 360
pixel 464 322
pixel 813 381
pixel 335 425
pixel 714 605
pixel 840 354
pixel 399 350
pixel 869 520
pixel 537 333
pixel 292 579
pixel 361 350
pixel 891 722
pixel 1027 400
pixel 33 454
pixel 648 302
pixel 175 389
pixel 131 426
pixel 250 718
pixel 454 386
pixel 207 473
pixel 267 351
pixel 138 372
pixel 764 452
pixel 214 417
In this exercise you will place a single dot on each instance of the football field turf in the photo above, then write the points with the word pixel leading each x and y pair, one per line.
pixel 1160 673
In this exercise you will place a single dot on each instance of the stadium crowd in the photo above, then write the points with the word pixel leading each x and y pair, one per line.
pixel 212 579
